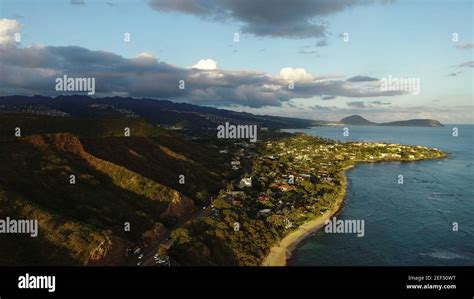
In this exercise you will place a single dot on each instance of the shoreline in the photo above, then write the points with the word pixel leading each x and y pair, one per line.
pixel 280 253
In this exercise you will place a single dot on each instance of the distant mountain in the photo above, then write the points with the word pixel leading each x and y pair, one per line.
pixel 414 123
pixel 358 120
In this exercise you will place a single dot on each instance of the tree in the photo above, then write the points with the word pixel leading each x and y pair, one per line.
pixel 181 236
pixel 162 250
pixel 221 204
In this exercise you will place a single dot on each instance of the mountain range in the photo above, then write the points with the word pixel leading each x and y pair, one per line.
pixel 197 119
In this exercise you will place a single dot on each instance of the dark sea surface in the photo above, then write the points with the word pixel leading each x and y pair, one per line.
pixel 409 224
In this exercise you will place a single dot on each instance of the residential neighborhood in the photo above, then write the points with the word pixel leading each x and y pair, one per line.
pixel 282 182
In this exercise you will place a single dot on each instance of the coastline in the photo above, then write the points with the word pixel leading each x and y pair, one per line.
pixel 280 253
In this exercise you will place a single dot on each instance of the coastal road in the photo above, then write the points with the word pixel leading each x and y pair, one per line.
pixel 166 239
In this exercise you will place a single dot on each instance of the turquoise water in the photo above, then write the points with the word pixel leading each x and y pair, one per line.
pixel 409 224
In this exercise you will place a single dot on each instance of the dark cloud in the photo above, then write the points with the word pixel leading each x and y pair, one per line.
pixel 322 43
pixel 291 104
pixel 326 98
pixel 362 79
pixel 33 70
pixel 364 105
pixel 467 64
pixel 323 108
pixel 358 105
pixel 464 46
pixel 275 18
pixel 307 51
pixel 77 2
pixel 454 74
pixel 338 88
pixel 380 103
pixel 312 49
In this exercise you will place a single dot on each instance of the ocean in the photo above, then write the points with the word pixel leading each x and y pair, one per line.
pixel 409 224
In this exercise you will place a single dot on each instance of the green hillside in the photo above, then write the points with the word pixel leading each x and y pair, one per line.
pixel 118 179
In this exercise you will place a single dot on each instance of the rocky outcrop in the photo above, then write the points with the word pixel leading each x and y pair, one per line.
pixel 154 234
pixel 36 140
pixel 110 252
pixel 64 142
pixel 179 208
pixel 68 143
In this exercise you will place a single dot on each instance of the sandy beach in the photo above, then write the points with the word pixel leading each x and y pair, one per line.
pixel 280 253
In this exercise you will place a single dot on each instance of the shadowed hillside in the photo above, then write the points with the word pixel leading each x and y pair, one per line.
pixel 118 179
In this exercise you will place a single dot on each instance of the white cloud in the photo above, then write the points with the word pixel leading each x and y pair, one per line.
pixel 144 59
pixel 295 74
pixel 145 55
pixel 8 28
pixel 205 64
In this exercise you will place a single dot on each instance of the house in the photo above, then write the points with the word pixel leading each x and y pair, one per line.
pixel 263 197
pixel 245 182
pixel 287 223
pixel 237 203
pixel 282 186
pixel 215 213
pixel 327 179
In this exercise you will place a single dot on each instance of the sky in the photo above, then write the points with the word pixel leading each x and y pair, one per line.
pixel 316 59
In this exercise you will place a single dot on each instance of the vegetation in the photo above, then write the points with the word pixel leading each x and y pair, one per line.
pixel 294 179
pixel 252 195
pixel 118 179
